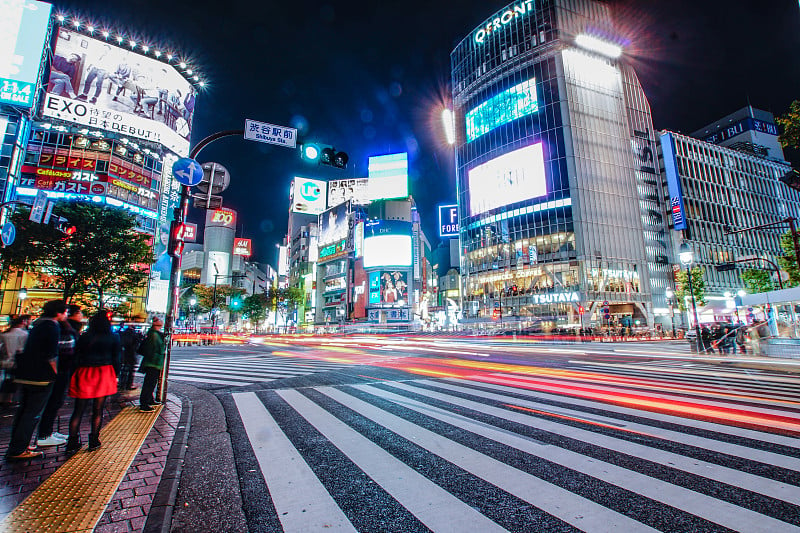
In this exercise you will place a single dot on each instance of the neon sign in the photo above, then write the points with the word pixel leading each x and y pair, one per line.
pixel 503 19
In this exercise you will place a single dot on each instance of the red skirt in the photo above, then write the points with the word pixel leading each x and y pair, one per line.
pixel 93 382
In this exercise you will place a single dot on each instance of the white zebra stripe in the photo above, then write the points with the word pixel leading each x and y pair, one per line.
pixel 709 508
pixel 563 504
pixel 737 450
pixel 287 474
pixel 433 506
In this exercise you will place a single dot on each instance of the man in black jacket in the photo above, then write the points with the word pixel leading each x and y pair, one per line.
pixel 36 371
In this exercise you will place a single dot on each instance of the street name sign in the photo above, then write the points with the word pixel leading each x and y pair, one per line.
pixel 270 133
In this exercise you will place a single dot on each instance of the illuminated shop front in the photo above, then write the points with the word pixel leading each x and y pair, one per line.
pixel 558 203
pixel 112 117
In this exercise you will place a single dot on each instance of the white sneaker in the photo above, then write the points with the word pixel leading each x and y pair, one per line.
pixel 59 435
pixel 52 440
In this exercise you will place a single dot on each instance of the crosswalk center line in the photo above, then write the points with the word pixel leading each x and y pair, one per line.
pixel 287 474
pixel 430 504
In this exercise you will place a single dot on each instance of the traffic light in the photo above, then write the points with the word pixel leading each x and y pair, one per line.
pixel 725 267
pixel 176 238
pixel 62 225
pixel 323 155
pixel 581 310
pixel 236 302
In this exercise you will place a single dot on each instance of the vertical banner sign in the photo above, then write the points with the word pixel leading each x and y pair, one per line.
pixel 673 182
pixel 448 220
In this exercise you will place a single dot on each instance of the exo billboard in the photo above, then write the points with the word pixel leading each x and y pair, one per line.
pixel 96 84
pixel 355 189
pixel 334 224
pixel 510 178
pixel 23 28
pixel 308 196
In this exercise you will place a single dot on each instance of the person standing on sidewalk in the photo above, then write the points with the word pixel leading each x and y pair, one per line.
pixel 97 360
pixel 152 350
pixel 13 343
pixel 36 371
pixel 75 318
pixel 66 362
pixel 130 339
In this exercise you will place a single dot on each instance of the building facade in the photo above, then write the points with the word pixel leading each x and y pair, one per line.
pixel 714 190
pixel 560 214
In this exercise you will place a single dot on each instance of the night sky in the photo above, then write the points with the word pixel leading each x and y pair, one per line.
pixel 371 78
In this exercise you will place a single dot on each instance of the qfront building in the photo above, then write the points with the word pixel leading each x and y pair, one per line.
pixel 561 221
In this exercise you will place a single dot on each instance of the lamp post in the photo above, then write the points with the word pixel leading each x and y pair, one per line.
pixel 686 256
pixel 670 295
pixel 192 303
pixel 21 296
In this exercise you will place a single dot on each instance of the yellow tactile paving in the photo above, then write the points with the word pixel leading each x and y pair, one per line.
pixel 75 496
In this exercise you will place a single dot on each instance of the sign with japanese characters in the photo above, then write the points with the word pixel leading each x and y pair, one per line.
pixel 270 133
pixel 96 84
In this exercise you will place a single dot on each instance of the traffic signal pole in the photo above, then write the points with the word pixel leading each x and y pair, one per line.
pixel 174 277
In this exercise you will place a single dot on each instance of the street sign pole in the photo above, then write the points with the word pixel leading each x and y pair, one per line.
pixel 174 285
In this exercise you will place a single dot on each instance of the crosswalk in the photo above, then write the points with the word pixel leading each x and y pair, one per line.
pixel 242 370
pixel 453 454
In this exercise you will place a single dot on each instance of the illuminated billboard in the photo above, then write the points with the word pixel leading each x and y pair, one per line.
pixel 96 84
pixel 308 196
pixel 242 247
pixel 511 104
pixel 334 224
pixel 510 178
pixel 356 190
pixel 387 243
pixel 223 217
pixel 394 288
pixel 23 28
pixel 448 220
pixel 388 176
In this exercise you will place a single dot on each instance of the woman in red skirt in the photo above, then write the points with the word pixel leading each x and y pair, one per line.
pixel 97 360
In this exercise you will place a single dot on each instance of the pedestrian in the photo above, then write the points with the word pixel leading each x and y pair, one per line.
pixel 152 351
pixel 35 374
pixel 75 318
pixel 97 361
pixel 66 361
pixel 130 339
pixel 13 340
pixel 741 339
pixel 705 340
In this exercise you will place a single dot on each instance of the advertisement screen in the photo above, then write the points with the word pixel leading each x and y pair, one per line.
pixel 23 28
pixel 394 288
pixel 388 176
pixel 340 191
pixel 375 288
pixel 158 286
pixel 513 177
pixel 387 250
pixel 360 290
pixel 96 84
pixel 511 104
pixel 333 224
pixel 308 196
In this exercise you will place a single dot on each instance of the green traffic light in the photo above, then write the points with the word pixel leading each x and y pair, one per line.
pixel 311 152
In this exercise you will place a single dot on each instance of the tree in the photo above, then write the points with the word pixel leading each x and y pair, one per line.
pixel 790 122
pixel 255 307
pixel 756 280
pixel 682 287
pixel 205 295
pixel 284 301
pixel 788 261
pixel 105 255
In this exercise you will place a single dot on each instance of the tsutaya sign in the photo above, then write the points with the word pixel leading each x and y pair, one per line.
pixel 502 19
pixel 554 298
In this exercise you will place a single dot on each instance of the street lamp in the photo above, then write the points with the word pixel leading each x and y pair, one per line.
pixel 21 296
pixel 686 256
pixel 192 303
pixel 670 294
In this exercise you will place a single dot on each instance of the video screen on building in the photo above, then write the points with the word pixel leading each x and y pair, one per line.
pixel 334 224
pixel 394 287
pixel 23 29
pixel 96 84
pixel 510 178
pixel 511 104
pixel 388 176
pixel 387 243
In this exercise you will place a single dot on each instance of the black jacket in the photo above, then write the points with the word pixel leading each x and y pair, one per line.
pixel 98 349
pixel 33 364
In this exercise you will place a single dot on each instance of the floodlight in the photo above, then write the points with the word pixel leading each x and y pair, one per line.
pixel 594 44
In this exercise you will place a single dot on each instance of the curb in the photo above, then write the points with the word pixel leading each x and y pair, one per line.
pixel 159 519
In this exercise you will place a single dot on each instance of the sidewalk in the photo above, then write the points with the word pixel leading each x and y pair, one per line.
pixel 145 489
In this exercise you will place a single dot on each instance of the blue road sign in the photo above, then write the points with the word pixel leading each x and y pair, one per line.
pixel 8 234
pixel 187 171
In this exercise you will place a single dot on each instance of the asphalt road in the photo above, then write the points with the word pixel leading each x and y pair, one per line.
pixel 426 433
